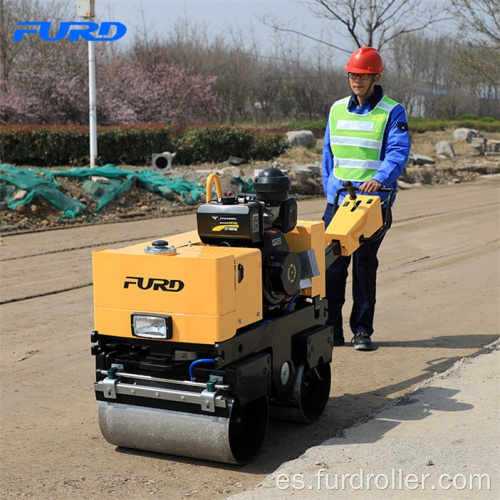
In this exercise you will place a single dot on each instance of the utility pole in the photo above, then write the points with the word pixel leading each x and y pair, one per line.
pixel 86 9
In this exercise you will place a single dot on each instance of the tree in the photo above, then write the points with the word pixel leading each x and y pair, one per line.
pixel 43 82
pixel 479 20
pixel 131 92
pixel 478 50
pixel 13 11
pixel 30 88
pixel 372 23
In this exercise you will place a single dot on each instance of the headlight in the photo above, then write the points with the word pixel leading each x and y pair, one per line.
pixel 152 327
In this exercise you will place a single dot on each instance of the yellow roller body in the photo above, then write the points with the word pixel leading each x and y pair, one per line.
pixel 208 291
pixel 353 220
pixel 199 287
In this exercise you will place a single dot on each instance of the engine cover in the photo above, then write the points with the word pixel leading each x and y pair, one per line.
pixel 232 222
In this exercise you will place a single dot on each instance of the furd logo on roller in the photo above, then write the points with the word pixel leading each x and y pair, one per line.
pixel 89 31
pixel 153 283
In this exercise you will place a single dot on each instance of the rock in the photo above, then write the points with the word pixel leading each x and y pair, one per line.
pixel 493 146
pixel 235 160
pixel 203 174
pixel 404 185
pixel 20 209
pixel 477 146
pixel 20 195
pixel 315 170
pixel 301 138
pixel 230 171
pixel 34 209
pixel 303 181
pixel 99 179
pixel 305 187
pixel 312 170
pixel 299 176
pixel 445 148
pixel 416 159
pixel 465 134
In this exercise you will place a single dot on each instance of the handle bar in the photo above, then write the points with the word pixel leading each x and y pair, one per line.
pixel 388 212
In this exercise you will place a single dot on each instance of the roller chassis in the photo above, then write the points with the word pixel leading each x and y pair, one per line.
pixel 249 365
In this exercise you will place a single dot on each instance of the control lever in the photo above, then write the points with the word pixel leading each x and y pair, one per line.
pixel 350 189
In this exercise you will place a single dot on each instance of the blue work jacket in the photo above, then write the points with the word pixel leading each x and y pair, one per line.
pixel 394 153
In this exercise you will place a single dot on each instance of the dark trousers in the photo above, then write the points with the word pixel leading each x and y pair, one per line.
pixel 364 278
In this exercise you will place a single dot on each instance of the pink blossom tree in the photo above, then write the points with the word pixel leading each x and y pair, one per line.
pixel 53 88
pixel 170 94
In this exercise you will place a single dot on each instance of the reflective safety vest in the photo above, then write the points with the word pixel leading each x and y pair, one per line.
pixel 356 140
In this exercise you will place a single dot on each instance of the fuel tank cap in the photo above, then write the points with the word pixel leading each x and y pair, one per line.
pixel 161 247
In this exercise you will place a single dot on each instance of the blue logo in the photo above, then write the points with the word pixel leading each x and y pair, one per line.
pixel 89 31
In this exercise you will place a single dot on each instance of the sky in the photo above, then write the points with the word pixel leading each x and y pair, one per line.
pixel 218 16
pixel 223 17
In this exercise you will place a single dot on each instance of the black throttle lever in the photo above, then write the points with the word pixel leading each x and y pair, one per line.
pixel 350 189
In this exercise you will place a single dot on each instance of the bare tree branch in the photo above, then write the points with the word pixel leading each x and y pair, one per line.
pixel 478 17
pixel 373 23
pixel 268 22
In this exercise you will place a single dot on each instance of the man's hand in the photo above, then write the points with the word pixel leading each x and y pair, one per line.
pixel 369 186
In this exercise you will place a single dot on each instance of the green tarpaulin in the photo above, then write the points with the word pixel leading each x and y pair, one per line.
pixel 43 182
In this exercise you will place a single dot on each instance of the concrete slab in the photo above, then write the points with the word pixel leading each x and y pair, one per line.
pixel 440 441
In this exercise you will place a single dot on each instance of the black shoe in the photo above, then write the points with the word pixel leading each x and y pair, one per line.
pixel 338 340
pixel 362 342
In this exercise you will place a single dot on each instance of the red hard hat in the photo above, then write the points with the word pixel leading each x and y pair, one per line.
pixel 365 60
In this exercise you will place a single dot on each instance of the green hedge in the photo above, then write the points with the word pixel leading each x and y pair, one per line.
pixel 58 145
pixel 207 144
pixel 133 145
pixel 268 146
pixel 48 146
pixel 216 144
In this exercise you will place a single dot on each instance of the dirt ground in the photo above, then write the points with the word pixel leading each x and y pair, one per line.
pixel 437 302
pixel 139 204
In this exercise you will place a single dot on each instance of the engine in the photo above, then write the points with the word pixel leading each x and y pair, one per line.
pixel 259 221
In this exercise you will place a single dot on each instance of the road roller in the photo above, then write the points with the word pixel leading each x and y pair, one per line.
pixel 200 337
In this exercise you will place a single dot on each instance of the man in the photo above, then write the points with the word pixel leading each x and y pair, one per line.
pixel 366 142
